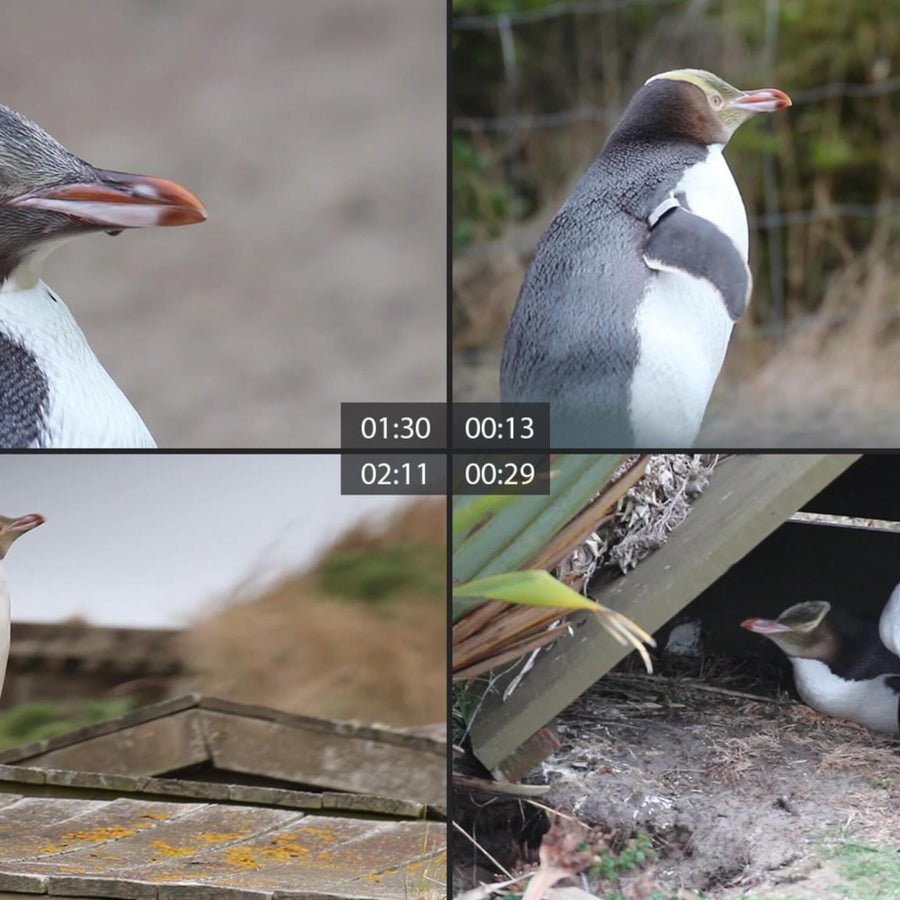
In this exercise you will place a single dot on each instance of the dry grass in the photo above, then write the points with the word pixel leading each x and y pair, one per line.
pixel 832 383
pixel 761 792
pixel 360 634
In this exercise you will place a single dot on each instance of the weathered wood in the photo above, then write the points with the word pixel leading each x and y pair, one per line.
pixel 136 717
pixel 254 740
pixel 148 748
pixel 19 782
pixel 327 758
pixel 132 848
pixel 747 498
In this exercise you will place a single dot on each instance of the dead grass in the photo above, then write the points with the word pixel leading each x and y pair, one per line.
pixel 741 797
pixel 360 634
pixel 833 382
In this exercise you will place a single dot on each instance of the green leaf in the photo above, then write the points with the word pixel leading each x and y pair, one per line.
pixel 531 588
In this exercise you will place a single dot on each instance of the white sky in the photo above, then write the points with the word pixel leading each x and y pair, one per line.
pixel 148 540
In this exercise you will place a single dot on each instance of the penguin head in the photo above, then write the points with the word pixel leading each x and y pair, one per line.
pixel 48 194
pixel 800 631
pixel 10 529
pixel 695 105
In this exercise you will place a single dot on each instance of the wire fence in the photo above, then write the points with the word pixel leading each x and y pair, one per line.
pixel 607 115
pixel 772 219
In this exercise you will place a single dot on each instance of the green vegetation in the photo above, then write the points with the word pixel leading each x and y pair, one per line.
pixel 871 872
pixel 829 149
pixel 636 853
pixel 376 575
pixel 36 721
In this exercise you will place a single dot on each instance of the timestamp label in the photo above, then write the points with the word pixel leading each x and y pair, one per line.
pixel 394 473
pixel 501 426
pixel 501 473
pixel 393 426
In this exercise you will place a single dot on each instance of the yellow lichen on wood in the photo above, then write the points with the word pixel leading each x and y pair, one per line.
pixel 213 838
pixel 325 834
pixel 165 849
pixel 110 833
pixel 281 849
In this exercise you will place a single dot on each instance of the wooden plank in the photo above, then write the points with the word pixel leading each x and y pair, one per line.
pixel 143 850
pixel 159 745
pixel 748 497
pixel 38 749
pixel 328 759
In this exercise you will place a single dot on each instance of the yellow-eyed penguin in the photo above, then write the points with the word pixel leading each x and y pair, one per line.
pixel 53 390
pixel 844 665
pixel 625 313
pixel 10 529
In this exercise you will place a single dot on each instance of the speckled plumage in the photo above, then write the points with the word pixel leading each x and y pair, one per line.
pixel 53 390
pixel 575 337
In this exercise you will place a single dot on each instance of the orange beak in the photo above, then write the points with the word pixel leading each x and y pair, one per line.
pixel 119 200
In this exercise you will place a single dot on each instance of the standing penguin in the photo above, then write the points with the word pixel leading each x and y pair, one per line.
pixel 844 665
pixel 10 529
pixel 626 310
pixel 53 390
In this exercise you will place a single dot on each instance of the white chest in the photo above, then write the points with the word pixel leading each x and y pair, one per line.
pixel 85 406
pixel 871 703
pixel 4 624
pixel 682 324
pixel 710 191
pixel 683 330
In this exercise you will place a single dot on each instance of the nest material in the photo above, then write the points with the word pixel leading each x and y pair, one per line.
pixel 643 518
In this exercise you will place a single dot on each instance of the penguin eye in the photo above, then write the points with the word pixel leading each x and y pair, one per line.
pixel 716 100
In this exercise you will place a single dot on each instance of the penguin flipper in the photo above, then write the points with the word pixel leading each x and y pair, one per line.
pixel 889 623
pixel 681 241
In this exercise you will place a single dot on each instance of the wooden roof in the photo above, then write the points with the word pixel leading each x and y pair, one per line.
pixel 289 807
pixel 79 835
pixel 198 733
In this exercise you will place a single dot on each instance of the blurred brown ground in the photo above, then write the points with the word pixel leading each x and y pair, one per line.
pixel 314 133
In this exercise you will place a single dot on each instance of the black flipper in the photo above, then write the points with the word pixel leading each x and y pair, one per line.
pixel 680 241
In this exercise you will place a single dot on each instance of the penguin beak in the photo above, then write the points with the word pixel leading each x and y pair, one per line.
pixel 24 523
pixel 765 626
pixel 763 100
pixel 118 200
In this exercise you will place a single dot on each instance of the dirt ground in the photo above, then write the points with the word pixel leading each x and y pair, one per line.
pixel 758 799
pixel 740 798
pixel 314 133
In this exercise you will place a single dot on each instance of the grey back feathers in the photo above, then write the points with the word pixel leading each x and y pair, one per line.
pixel 562 344
pixel 24 398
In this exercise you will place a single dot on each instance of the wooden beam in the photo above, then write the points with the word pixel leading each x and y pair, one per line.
pixel 747 498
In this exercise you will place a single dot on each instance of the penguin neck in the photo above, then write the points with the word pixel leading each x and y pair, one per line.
pixel 4 624
pixel 854 649
pixel 645 170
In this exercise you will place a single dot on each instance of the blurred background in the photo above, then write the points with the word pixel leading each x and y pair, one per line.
pixel 538 85
pixel 244 577
pixel 314 133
